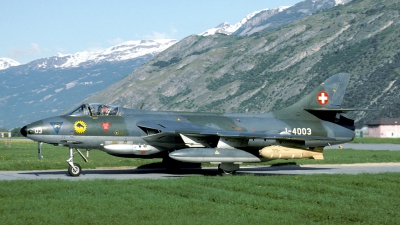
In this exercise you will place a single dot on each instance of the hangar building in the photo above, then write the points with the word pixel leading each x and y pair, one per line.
pixel 384 128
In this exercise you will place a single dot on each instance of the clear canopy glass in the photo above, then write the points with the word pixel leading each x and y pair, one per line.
pixel 96 109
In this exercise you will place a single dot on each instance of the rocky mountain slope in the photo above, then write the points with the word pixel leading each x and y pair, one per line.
pixel 272 69
pixel 271 19
pixel 46 87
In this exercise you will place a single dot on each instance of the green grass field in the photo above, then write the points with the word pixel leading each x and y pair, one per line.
pixel 23 156
pixel 305 199
pixel 377 140
pixel 244 199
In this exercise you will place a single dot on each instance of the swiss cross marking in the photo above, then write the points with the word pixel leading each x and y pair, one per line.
pixel 322 98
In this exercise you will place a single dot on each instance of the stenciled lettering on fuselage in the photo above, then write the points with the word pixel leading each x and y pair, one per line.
pixel 299 131
pixel 38 130
pixel 80 127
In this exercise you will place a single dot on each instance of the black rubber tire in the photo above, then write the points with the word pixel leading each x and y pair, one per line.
pixel 76 171
pixel 225 172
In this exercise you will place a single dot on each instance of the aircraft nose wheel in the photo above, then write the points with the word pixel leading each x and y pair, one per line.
pixel 75 170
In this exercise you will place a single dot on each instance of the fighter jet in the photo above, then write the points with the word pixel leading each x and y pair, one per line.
pixel 301 130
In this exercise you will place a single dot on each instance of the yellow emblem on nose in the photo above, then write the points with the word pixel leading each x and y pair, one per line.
pixel 80 126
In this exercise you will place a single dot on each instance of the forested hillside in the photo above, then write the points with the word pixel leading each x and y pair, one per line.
pixel 270 70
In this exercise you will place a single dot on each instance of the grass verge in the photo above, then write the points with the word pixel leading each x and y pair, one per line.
pixel 372 140
pixel 305 199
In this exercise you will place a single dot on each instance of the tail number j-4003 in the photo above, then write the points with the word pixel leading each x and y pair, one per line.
pixel 300 131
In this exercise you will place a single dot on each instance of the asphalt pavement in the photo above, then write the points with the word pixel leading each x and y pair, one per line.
pixel 159 173
pixel 134 173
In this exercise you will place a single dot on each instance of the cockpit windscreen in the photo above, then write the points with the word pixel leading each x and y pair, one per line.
pixel 96 109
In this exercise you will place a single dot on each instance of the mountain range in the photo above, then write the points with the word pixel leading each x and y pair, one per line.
pixel 271 69
pixel 249 68
pixel 268 19
pixel 47 87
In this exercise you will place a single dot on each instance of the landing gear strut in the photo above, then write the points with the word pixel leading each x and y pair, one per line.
pixel 40 150
pixel 74 169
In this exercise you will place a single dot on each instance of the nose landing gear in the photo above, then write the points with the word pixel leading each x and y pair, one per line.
pixel 74 169
pixel 40 156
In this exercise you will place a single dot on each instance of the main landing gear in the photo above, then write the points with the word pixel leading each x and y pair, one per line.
pixel 226 169
pixel 74 169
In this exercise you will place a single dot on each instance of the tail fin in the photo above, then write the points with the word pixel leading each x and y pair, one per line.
pixel 328 96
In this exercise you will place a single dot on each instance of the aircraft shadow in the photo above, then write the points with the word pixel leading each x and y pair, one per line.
pixel 111 173
pixel 289 170
pixel 184 172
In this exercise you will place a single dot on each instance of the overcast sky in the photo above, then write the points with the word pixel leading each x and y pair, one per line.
pixel 37 29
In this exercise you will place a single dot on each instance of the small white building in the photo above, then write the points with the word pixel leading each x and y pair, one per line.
pixel 3 134
pixel 363 132
pixel 384 128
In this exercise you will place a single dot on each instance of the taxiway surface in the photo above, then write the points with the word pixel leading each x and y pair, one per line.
pixel 133 173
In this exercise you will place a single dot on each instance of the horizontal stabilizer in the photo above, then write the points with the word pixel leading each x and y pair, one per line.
pixel 341 110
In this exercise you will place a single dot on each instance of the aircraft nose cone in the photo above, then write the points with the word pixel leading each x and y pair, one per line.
pixel 24 131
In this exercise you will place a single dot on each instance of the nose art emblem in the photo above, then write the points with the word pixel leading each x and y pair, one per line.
pixel 80 127
pixel 56 126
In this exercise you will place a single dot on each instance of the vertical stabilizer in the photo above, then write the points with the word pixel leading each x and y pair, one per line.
pixel 328 95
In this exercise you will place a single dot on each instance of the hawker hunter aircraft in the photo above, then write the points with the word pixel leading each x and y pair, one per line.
pixel 298 131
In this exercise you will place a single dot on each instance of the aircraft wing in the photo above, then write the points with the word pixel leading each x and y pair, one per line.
pixel 158 130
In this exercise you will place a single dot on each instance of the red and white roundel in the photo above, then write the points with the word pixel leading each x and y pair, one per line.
pixel 322 98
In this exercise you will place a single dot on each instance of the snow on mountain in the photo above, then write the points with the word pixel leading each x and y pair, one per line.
pixel 125 51
pixel 341 2
pixel 226 28
pixel 7 62
pixel 223 28
pixel 121 52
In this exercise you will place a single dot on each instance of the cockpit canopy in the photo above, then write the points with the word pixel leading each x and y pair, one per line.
pixel 96 109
